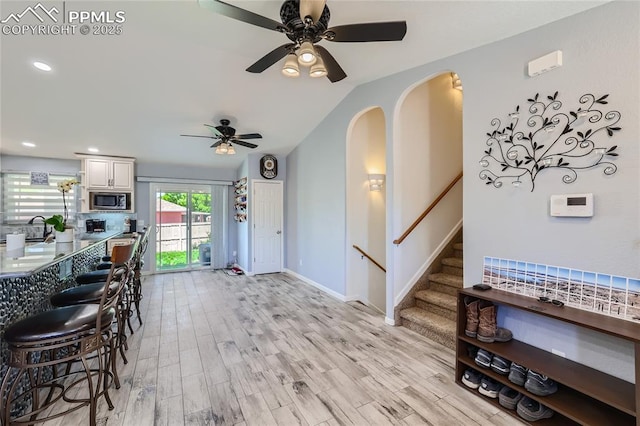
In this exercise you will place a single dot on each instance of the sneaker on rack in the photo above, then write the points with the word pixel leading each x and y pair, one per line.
pixel 472 351
pixel 539 384
pixel 500 365
pixel 532 411
pixel 517 374
pixel 489 387
pixel 471 378
pixel 509 398
pixel 483 358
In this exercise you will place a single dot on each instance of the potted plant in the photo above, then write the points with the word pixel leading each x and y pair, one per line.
pixel 64 232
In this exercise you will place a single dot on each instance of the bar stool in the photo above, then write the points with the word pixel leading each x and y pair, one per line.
pixel 91 293
pixel 135 292
pixel 44 348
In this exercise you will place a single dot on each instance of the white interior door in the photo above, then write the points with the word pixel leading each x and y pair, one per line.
pixel 267 226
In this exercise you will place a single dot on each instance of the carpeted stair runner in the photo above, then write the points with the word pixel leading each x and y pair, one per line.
pixel 434 315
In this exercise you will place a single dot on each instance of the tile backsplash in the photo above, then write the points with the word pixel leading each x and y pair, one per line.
pixel 113 222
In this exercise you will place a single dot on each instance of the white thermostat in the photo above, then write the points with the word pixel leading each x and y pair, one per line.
pixel 572 205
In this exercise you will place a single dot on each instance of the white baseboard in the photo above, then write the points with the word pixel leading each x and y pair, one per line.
pixel 312 283
pixel 409 285
pixel 249 274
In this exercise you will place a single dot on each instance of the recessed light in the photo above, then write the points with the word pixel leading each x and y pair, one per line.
pixel 29 144
pixel 93 150
pixel 42 66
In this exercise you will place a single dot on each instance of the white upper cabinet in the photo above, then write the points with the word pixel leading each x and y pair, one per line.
pixel 108 174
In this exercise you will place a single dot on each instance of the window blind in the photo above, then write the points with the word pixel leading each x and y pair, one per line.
pixel 21 201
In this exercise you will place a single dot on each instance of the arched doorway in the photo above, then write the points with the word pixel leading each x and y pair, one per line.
pixel 427 158
pixel 366 208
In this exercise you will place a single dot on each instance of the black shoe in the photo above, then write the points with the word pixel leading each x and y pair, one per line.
pixel 540 385
pixel 509 398
pixel 483 358
pixel 471 378
pixel 517 374
pixel 500 365
pixel 532 411
pixel 472 351
pixel 489 387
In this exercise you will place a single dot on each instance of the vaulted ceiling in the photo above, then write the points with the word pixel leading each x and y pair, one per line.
pixel 177 65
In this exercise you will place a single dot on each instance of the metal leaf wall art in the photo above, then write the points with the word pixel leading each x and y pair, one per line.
pixel 550 139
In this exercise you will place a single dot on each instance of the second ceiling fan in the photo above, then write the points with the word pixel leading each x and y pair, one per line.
pixel 305 23
pixel 226 135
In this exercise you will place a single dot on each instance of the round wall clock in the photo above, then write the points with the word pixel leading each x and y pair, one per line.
pixel 268 167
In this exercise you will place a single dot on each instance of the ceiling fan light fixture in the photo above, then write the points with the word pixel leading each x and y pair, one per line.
pixel 290 68
pixel 231 150
pixel 318 69
pixel 222 148
pixel 307 55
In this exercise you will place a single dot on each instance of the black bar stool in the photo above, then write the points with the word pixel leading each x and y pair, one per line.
pixel 91 293
pixel 44 348
pixel 135 292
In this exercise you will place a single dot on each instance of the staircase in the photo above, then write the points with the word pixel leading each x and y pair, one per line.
pixel 434 313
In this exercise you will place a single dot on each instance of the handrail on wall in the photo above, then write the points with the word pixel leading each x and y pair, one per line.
pixel 428 210
pixel 369 257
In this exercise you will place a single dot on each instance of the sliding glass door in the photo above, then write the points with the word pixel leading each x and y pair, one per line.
pixel 183 226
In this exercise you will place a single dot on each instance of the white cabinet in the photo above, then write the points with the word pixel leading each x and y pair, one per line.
pixel 108 174
pixel 117 242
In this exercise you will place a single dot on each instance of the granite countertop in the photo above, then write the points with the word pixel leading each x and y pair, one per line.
pixel 37 256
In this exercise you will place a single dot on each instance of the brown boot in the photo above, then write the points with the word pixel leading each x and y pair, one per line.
pixel 471 305
pixel 488 330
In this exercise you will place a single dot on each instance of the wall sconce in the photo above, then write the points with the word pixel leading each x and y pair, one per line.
pixel 375 182
pixel 455 81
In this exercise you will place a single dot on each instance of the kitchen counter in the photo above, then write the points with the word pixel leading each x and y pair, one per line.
pixel 29 278
pixel 38 256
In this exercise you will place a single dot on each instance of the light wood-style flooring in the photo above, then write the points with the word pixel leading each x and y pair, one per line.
pixel 272 350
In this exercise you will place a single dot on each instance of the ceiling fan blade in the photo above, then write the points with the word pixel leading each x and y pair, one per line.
pixel 374 31
pixel 271 58
pixel 334 70
pixel 215 131
pixel 311 8
pixel 215 144
pixel 239 14
pixel 247 144
pixel 198 136
pixel 248 136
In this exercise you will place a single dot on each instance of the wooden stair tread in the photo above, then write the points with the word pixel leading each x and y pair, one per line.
pixel 457 246
pixel 437 298
pixel 453 261
pixel 447 279
pixel 427 319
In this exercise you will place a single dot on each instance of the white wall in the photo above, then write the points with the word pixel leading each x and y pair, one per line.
pixel 601 55
pixel 366 215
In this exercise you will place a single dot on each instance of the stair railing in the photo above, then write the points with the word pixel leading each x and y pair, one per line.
pixel 363 253
pixel 427 211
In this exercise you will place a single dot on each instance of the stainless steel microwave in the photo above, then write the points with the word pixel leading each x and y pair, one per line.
pixel 109 201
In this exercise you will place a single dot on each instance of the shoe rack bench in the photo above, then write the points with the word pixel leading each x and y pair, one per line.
pixel 585 396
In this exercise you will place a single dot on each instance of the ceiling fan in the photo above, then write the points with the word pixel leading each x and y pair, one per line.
pixel 226 135
pixel 305 23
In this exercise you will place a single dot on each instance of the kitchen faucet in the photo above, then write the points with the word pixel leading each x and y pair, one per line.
pixel 45 232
